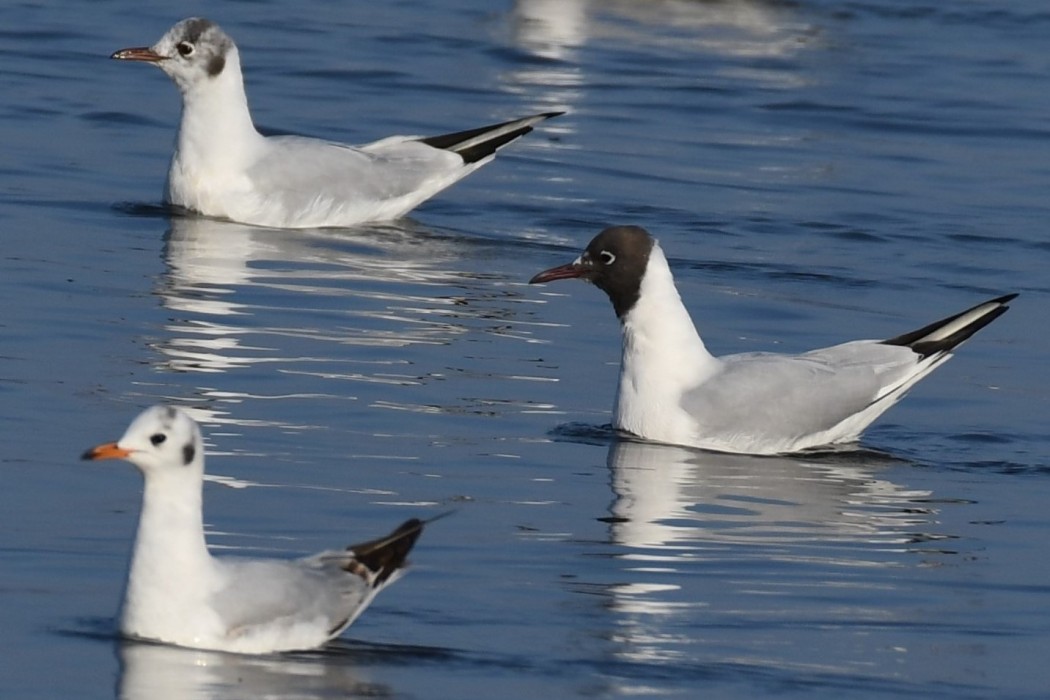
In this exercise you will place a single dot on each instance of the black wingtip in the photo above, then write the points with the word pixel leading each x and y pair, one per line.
pixel 915 339
pixel 484 149
pixel 386 555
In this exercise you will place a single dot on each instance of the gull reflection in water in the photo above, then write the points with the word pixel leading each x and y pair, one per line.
pixel 553 29
pixel 586 57
pixel 741 541
pixel 313 315
pixel 554 32
pixel 669 496
pixel 248 295
pixel 158 672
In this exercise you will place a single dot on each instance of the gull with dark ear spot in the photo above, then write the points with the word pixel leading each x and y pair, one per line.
pixel 223 167
pixel 672 390
pixel 178 593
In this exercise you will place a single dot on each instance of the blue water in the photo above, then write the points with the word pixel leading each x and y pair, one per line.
pixel 816 172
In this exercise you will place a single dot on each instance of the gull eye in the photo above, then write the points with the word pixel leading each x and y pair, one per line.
pixel 158 438
pixel 606 257
pixel 184 48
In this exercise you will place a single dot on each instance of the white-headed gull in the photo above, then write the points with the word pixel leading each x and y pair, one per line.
pixel 178 593
pixel 224 167
pixel 673 390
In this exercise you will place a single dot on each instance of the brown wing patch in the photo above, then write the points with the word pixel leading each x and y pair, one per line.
pixel 376 561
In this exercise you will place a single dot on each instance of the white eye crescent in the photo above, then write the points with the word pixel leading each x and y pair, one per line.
pixel 606 257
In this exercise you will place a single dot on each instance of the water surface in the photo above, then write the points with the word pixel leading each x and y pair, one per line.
pixel 816 172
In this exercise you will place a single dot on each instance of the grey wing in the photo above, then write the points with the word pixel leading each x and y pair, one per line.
pixel 797 395
pixel 273 592
pixel 304 170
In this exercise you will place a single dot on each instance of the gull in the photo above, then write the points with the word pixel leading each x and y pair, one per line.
pixel 178 593
pixel 672 390
pixel 223 167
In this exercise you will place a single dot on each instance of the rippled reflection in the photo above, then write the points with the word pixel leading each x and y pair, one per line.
pixel 734 539
pixel 335 315
pixel 554 31
pixel 247 295
pixel 213 263
pixel 668 497
pixel 157 672
pixel 552 28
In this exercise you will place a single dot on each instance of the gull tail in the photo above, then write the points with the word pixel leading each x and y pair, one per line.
pixel 933 344
pixel 941 337
pixel 477 144
pixel 383 558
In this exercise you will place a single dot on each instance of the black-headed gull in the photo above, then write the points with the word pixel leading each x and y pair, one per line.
pixel 178 593
pixel 673 390
pixel 224 167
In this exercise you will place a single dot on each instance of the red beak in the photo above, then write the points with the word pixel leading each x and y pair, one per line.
pixel 562 272
pixel 140 53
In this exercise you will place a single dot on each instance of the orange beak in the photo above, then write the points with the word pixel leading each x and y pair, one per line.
pixel 139 53
pixel 107 451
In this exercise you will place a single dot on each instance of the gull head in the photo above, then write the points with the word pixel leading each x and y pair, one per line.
pixel 161 439
pixel 615 261
pixel 193 53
